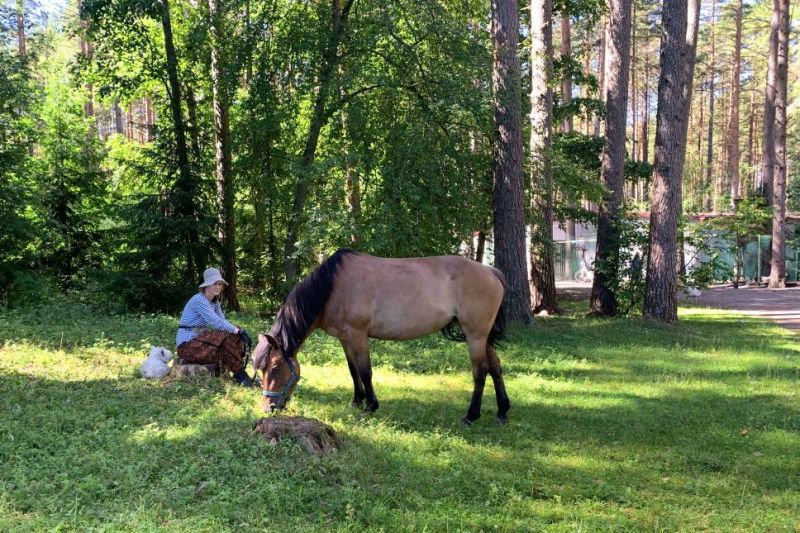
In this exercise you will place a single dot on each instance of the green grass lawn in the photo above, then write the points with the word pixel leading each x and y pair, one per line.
pixel 614 425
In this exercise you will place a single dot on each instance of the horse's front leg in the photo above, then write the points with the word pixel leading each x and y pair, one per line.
pixel 358 346
pixel 477 354
pixel 358 387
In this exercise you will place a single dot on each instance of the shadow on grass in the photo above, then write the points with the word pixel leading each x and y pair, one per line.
pixel 179 455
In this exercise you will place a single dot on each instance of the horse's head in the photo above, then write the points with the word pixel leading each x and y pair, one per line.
pixel 281 372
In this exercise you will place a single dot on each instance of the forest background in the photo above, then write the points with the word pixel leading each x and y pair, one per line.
pixel 142 141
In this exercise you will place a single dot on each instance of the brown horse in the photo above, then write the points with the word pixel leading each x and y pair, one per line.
pixel 354 296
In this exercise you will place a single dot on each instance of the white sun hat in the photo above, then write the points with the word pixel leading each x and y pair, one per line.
pixel 210 277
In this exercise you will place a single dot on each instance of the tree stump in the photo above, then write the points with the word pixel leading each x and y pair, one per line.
pixel 184 370
pixel 314 436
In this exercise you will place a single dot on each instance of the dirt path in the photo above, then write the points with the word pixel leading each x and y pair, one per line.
pixel 780 305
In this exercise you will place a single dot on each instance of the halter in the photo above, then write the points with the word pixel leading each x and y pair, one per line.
pixel 283 395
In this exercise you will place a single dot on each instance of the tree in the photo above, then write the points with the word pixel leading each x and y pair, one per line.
pixel 617 63
pixel 733 117
pixel 222 134
pixel 777 275
pixel 543 286
pixel 770 106
pixel 508 197
pixel 680 21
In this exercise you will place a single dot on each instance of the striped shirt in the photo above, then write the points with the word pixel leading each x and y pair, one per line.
pixel 200 313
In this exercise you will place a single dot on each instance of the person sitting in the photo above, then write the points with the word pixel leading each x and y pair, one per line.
pixel 205 337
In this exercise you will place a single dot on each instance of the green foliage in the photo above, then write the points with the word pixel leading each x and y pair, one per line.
pixel 751 218
pixel 608 431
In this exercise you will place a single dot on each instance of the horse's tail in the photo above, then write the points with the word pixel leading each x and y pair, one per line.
pixel 498 333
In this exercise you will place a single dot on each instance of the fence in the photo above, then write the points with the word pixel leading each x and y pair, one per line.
pixel 573 260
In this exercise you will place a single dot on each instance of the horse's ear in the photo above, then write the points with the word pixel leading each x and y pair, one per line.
pixel 271 340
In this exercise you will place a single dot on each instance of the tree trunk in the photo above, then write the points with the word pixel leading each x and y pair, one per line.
pixel 566 80
pixel 618 41
pixel 118 118
pixel 678 49
pixel 21 44
pixel 320 115
pixel 777 276
pixel 508 197
pixel 770 102
pixel 188 189
pixel 750 139
pixel 543 284
pixel 223 168
pixel 733 120
pixel 601 72
pixel 711 201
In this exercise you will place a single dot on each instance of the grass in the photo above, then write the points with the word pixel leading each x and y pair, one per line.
pixel 615 425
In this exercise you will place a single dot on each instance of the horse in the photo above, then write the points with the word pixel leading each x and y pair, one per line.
pixel 354 296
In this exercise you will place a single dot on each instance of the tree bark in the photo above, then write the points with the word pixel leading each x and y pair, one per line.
pixel 21 43
pixel 566 80
pixel 223 167
pixel 601 72
pixel 680 21
pixel 508 195
pixel 733 120
pixel 618 42
pixel 320 115
pixel 543 284
pixel 770 102
pixel 711 188
pixel 185 185
pixel 777 276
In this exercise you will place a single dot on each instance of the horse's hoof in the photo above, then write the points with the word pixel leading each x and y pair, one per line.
pixel 502 420
pixel 466 422
pixel 357 405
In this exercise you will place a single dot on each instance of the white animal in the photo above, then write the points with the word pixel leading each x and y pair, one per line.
pixel 694 292
pixel 155 366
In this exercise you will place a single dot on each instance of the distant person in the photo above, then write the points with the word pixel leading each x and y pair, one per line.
pixel 205 337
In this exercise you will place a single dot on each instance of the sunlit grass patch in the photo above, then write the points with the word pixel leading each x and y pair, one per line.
pixel 615 424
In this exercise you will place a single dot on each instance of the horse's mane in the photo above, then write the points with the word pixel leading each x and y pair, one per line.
pixel 305 303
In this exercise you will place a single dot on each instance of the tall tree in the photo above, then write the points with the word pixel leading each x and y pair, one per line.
pixel 617 66
pixel 566 77
pixel 222 134
pixel 543 285
pixel 21 42
pixel 331 57
pixel 680 21
pixel 712 76
pixel 186 186
pixel 777 275
pixel 733 118
pixel 508 195
pixel 770 103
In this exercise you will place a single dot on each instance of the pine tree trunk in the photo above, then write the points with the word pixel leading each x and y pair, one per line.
pixel 678 50
pixel 601 72
pixel 118 126
pixel 508 197
pixel 543 285
pixel 770 98
pixel 710 185
pixel 320 115
pixel 21 43
pixel 733 120
pixel 187 187
pixel 618 42
pixel 566 80
pixel 222 136
pixel 777 276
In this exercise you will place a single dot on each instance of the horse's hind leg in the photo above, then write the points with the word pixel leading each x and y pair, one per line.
pixel 503 403
pixel 358 387
pixel 357 346
pixel 477 354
